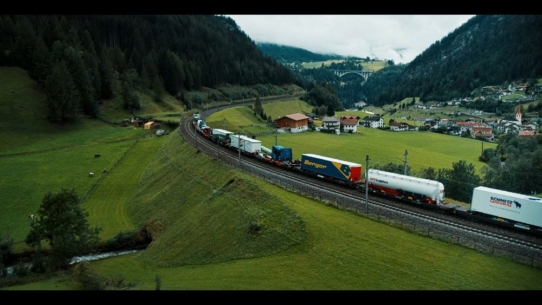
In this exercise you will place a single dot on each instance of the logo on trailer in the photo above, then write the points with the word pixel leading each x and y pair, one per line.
pixel 344 169
pixel 377 180
pixel 504 202
pixel 313 164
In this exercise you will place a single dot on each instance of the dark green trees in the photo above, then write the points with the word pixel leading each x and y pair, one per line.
pixel 62 96
pixel 460 181
pixel 62 223
pixel 323 94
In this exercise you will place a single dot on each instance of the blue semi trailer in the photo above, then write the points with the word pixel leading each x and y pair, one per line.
pixel 330 168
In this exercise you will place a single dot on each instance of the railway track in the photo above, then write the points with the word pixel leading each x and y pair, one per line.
pixel 439 223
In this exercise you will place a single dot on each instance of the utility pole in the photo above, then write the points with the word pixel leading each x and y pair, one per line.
pixel 367 185
pixel 406 154
pixel 239 147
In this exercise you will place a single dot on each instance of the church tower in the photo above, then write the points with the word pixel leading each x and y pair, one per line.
pixel 518 114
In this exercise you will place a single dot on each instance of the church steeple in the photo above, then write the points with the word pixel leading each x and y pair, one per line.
pixel 518 114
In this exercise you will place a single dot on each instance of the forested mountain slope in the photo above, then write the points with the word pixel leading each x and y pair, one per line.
pixel 486 50
pixel 99 57
pixel 287 54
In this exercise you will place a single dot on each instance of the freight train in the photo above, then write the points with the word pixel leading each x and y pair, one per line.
pixel 489 205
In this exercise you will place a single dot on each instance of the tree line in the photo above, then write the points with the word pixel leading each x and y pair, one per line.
pixel 515 165
pixel 82 60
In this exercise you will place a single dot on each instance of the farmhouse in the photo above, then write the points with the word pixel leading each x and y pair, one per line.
pixel 331 123
pixel 373 121
pixel 482 132
pixel 297 122
pixel 398 126
pixel 350 123
pixel 526 133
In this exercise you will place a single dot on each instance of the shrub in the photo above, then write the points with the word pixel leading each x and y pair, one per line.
pixel 6 249
pixel 21 270
pixel 123 240
pixel 87 279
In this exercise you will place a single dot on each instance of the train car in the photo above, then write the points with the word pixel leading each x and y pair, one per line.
pixel 404 187
pixel 195 119
pixel 221 136
pixel 281 156
pixel 521 211
pixel 247 145
pixel 205 130
pixel 331 169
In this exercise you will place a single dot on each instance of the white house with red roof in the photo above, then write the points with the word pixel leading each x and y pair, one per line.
pixel 350 123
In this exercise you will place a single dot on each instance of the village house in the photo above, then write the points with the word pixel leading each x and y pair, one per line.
pixel 485 132
pixel 331 123
pixel 399 126
pixel 526 133
pixel 515 125
pixel 296 122
pixel 350 123
pixel 373 121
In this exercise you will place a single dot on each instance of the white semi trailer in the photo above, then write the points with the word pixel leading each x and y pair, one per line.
pixel 245 144
pixel 522 211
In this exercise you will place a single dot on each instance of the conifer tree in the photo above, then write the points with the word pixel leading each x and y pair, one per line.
pixel 81 78
pixel 25 42
pixel 42 62
pixel 62 95
pixel 106 76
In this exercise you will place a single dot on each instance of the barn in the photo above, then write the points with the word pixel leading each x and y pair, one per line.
pixel 296 122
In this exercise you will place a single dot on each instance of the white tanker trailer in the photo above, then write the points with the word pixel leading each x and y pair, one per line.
pixel 406 187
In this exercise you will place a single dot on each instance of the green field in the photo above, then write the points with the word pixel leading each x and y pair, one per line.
pixel 425 149
pixel 215 228
pixel 371 65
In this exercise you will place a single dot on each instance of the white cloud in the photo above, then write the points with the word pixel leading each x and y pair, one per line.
pixel 397 37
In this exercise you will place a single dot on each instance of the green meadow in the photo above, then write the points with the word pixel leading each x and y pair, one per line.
pixel 215 228
pixel 374 65
pixel 424 149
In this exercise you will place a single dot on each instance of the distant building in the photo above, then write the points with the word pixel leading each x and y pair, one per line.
pixel 297 122
pixel 373 121
pixel 485 132
pixel 331 123
pixel 350 123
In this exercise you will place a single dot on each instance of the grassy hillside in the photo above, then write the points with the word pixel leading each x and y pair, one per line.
pixel 222 230
pixel 215 228
pixel 242 119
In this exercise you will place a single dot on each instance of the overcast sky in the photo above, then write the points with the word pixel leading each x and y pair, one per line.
pixel 397 37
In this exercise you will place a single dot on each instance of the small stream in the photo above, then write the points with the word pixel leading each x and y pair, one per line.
pixel 78 259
